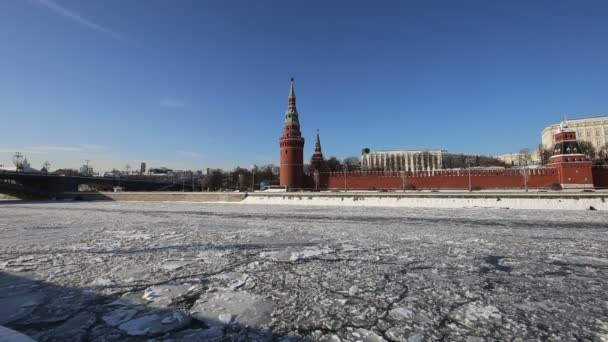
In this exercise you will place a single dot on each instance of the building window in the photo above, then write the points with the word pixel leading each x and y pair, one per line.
pixel 605 130
pixel 588 132
pixel 598 142
pixel 597 132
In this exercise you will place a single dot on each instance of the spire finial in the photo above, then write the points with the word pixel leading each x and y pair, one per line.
pixel 292 92
pixel 564 124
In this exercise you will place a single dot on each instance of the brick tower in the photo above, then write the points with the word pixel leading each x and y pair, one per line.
pixel 317 162
pixel 292 146
pixel 574 168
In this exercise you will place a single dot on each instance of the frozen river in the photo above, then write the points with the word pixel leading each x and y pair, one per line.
pixel 112 271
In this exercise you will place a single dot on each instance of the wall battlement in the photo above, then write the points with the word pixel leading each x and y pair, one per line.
pixel 452 173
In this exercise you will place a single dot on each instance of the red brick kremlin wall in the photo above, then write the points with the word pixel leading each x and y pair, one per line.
pixel 600 177
pixel 444 179
pixel 449 179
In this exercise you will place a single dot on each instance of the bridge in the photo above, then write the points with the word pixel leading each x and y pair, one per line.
pixel 38 185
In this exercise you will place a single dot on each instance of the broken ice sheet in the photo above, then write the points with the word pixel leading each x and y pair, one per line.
pixel 292 254
pixel 224 305
pixel 154 323
pixel 164 295
pixel 403 274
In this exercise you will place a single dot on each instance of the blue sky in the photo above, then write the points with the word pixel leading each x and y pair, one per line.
pixel 196 84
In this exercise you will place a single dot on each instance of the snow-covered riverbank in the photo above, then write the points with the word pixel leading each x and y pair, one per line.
pixel 457 201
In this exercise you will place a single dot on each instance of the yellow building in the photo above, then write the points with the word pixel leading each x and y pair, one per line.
pixel 592 129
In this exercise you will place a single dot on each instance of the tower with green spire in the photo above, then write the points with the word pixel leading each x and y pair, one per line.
pixel 292 146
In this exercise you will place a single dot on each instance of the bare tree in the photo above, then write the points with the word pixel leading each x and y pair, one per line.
pixel 214 179
pixel 603 153
pixel 352 163
pixel 334 165
pixel 525 157
pixel 588 149
pixel 544 154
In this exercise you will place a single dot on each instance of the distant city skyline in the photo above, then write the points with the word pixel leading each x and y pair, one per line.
pixel 192 85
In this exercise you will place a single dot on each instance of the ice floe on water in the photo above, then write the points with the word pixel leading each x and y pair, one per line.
pixel 227 307
pixel 154 323
pixel 292 254
pixel 230 272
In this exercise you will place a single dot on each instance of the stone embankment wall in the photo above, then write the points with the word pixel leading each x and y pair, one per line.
pixel 416 199
pixel 156 196
pixel 439 200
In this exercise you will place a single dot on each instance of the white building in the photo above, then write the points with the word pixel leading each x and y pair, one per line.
pixel 402 160
pixel 591 129
pixel 520 159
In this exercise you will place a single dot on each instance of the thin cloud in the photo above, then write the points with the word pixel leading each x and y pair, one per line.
pixel 75 148
pixel 79 19
pixel 172 103
pixel 189 154
pixel 91 147
pixel 24 151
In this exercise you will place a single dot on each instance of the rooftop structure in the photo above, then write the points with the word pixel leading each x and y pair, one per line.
pixel 590 129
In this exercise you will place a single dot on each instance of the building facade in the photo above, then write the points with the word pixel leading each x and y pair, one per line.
pixel 592 129
pixel 402 160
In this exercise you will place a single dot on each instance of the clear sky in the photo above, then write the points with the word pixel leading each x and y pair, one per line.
pixel 196 84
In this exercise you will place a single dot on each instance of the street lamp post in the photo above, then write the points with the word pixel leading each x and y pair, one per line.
pixel 345 169
pixel 253 179
pixel 469 167
pixel 404 180
pixel 526 177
